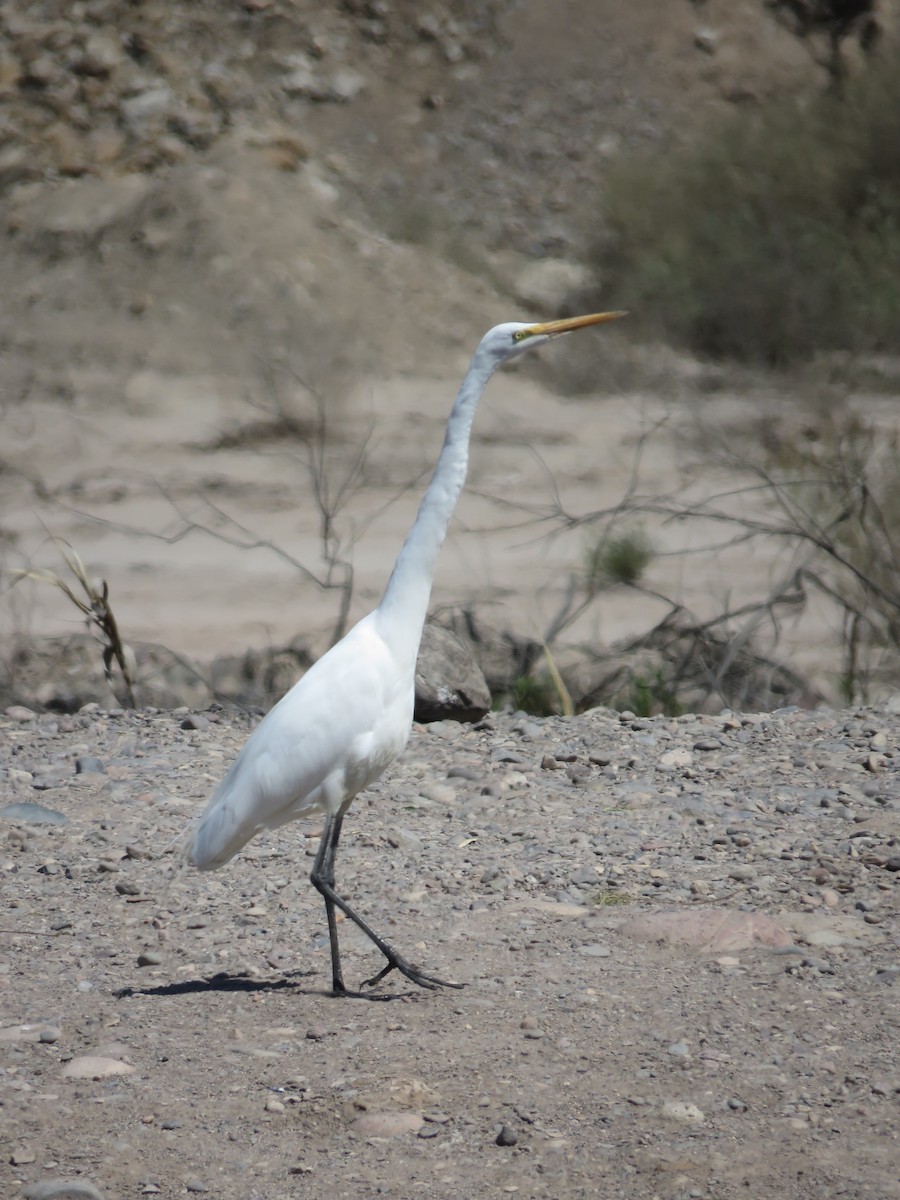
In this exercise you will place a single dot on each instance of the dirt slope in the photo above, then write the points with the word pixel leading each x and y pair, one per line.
pixel 215 212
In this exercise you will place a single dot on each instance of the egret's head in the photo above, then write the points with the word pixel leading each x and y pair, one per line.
pixel 514 337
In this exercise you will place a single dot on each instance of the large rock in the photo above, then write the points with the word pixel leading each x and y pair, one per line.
pixel 502 655
pixel 449 682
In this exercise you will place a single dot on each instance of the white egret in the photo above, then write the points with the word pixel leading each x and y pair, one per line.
pixel 351 714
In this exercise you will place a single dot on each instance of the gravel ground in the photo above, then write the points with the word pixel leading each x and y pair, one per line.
pixel 678 941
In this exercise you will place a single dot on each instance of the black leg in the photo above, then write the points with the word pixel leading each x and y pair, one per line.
pixel 322 879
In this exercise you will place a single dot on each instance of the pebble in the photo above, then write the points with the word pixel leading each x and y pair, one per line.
pixel 586 876
pixel 89 764
pixel 62 1189
pixel 467 773
pixel 679 1110
pixel 507 1136
pixel 33 814
pixel 818 964
pixel 95 1067
pixel 679 757
pixel 826 937
pixel 387 1125
pixel 743 874
pixel 19 713
pixel 138 852
pixel 150 958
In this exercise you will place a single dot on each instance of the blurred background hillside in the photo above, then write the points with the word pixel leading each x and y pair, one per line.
pixel 247 249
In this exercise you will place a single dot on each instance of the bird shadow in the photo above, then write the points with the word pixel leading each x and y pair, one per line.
pixel 223 982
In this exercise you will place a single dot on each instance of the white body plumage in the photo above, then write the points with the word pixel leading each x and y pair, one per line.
pixel 329 737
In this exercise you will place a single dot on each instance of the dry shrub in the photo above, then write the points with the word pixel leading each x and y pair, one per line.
pixel 772 237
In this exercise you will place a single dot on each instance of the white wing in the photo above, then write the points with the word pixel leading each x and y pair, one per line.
pixel 330 736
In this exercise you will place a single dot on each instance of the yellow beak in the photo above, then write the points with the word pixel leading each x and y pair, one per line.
pixel 567 324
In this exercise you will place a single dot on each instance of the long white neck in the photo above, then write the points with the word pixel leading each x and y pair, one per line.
pixel 403 607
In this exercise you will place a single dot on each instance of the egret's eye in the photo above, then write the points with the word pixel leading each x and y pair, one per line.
pixel 521 334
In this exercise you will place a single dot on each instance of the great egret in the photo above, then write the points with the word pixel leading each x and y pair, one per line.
pixel 350 715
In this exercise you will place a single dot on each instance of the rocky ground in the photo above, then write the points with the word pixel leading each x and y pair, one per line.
pixel 677 938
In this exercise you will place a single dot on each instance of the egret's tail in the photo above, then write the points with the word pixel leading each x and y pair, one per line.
pixel 220 834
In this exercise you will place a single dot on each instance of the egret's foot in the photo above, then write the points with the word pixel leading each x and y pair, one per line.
pixel 345 993
pixel 340 989
pixel 412 973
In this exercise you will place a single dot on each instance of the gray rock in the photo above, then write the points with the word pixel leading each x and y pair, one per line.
pixel 680 1110
pixel 32 814
pixel 95 1066
pixel 594 950
pixel 62 1189
pixel 309 80
pixel 706 40
pixel 449 682
pixel 83 209
pixel 89 763
pixel 18 712
pixel 743 874
pixel 148 112
pixel 195 721
pixel 388 1124
pixel 585 876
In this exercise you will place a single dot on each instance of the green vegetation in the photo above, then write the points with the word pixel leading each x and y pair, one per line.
pixel 618 559
pixel 533 694
pixel 649 697
pixel 774 236
pixel 607 898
